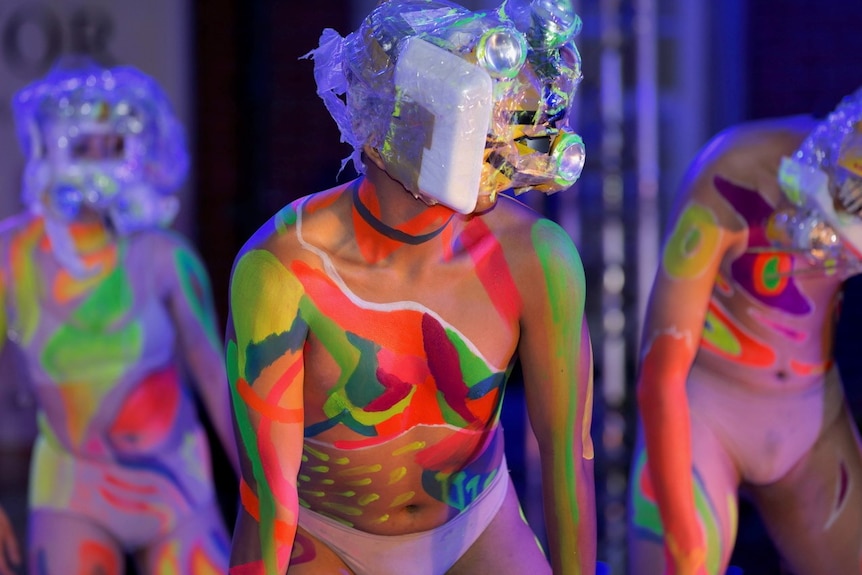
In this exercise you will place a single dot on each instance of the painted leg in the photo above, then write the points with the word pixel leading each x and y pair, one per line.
pixel 507 547
pixel 715 488
pixel 814 513
pixel 198 546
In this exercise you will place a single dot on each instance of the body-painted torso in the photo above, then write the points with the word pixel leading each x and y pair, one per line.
pixel 744 396
pixel 403 381
pixel 120 447
pixel 100 350
pixel 407 404
pixel 771 316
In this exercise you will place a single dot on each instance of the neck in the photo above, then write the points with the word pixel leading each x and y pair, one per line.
pixel 409 232
pixel 388 219
pixel 394 213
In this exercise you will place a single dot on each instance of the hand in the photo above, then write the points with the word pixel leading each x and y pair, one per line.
pixel 10 554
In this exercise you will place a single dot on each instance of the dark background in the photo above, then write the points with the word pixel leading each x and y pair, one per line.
pixel 264 138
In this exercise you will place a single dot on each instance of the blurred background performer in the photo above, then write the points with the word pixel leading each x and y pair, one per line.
pixel 738 392
pixel 374 325
pixel 110 308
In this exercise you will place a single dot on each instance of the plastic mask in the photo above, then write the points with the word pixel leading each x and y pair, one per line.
pixel 823 181
pixel 103 140
pixel 460 105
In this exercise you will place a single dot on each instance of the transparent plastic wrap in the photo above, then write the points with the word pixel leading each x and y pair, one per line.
pixel 460 104
pixel 823 180
pixel 105 139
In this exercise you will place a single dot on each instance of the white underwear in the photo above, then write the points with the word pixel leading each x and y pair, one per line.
pixel 431 552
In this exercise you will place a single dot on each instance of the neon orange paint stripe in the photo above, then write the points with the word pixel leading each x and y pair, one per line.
pixel 492 268
pixel 255 403
pixel 752 351
pixel 120 503
pixel 810 368
pixel 249 500
pixel 285 381
pixel 398 330
pixel 113 480
pixel 283 531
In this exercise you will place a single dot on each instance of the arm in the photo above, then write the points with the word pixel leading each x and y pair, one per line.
pixel 556 359
pixel 265 338
pixel 191 305
pixel 700 236
pixel 9 553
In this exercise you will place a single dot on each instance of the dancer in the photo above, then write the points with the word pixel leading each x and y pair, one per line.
pixel 737 390
pixel 109 309
pixel 374 325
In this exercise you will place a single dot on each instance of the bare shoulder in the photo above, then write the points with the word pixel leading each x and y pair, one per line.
pixel 756 142
pixel 511 219
pixel 264 269
pixel 312 220
pixel 164 258
pixel 747 155
pixel 159 247
pixel 750 153
pixel 530 240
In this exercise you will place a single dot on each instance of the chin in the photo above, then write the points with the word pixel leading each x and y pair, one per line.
pixel 485 203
